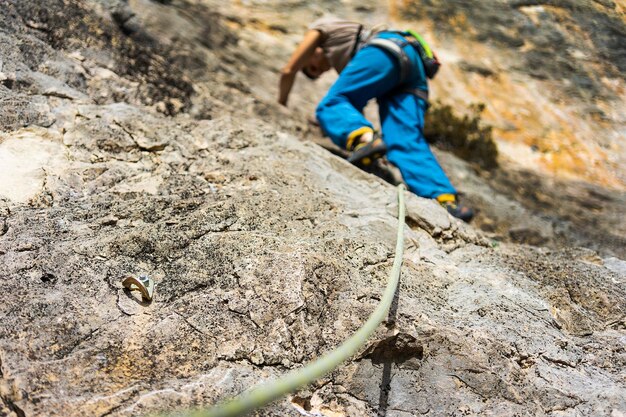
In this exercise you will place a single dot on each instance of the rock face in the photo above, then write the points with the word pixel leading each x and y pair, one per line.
pixel 589 35
pixel 266 251
pixel 557 112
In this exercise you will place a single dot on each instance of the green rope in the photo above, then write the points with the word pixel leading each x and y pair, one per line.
pixel 270 391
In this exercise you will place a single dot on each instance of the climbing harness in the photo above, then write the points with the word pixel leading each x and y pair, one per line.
pixel 266 393
pixel 143 284
pixel 395 46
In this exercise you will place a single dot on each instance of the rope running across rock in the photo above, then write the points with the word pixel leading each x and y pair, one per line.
pixel 263 394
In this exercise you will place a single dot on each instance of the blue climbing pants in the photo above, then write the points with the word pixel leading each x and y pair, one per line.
pixel 375 73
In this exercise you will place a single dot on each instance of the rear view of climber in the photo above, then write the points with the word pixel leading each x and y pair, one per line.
pixel 390 67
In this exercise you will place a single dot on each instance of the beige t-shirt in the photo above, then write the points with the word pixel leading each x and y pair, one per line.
pixel 338 39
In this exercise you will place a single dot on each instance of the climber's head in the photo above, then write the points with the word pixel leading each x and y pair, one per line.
pixel 317 65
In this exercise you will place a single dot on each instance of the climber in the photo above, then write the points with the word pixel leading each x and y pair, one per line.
pixel 382 64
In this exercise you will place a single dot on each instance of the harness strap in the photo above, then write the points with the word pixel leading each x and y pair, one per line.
pixel 415 91
pixel 357 41
pixel 394 46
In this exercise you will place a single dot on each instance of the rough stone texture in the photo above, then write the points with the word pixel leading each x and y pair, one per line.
pixel 267 251
pixel 589 35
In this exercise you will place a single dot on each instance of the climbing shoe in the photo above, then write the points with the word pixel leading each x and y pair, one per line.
pixel 364 153
pixel 452 205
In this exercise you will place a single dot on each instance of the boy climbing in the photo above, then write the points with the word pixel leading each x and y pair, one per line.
pixel 392 67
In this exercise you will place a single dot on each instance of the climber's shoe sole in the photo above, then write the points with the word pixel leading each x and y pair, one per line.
pixel 365 154
pixel 459 211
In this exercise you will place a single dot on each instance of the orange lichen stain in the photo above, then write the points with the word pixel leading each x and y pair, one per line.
pixel 564 155
pixel 459 23
pixel 520 114
pixel 620 9
pixel 128 366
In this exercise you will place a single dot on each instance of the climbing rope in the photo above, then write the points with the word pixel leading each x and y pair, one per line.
pixel 272 390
